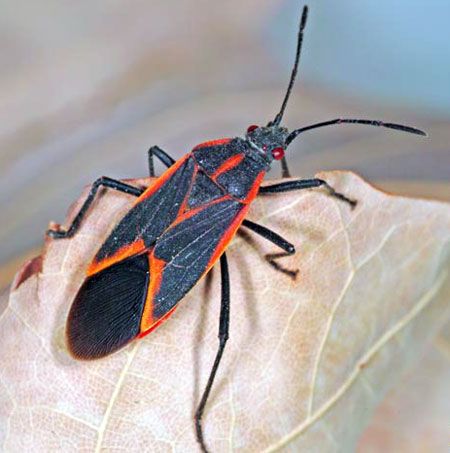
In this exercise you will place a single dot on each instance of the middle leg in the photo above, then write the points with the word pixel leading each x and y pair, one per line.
pixel 287 247
pixel 104 181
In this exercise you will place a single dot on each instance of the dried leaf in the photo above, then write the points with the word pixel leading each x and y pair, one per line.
pixel 414 417
pixel 307 362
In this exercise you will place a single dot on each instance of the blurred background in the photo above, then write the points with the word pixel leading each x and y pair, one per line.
pixel 87 87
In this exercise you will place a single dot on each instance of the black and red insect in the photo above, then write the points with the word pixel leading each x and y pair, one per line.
pixel 177 230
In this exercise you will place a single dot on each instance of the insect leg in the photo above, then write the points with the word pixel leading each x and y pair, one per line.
pixel 306 184
pixel 161 155
pixel 279 241
pixel 105 182
pixel 224 324
pixel 285 173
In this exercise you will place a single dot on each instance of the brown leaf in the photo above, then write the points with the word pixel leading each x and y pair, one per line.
pixel 414 417
pixel 307 361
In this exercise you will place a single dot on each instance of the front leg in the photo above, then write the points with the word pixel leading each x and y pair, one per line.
pixel 163 157
pixel 104 181
pixel 300 184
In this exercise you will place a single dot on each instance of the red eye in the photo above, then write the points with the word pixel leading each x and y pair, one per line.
pixel 251 128
pixel 278 153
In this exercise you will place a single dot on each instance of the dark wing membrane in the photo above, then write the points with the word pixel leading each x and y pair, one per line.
pixel 151 215
pixel 107 310
pixel 186 249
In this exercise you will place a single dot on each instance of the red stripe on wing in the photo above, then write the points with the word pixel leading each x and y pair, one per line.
pixel 124 252
pixel 234 226
pixel 163 178
pixel 156 267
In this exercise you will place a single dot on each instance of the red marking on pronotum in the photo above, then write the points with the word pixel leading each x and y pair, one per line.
pixel 255 187
pixel 228 165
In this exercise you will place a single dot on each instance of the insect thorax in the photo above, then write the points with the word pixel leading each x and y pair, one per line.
pixel 234 165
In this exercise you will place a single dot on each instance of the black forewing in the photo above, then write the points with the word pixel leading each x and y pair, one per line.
pixel 151 216
pixel 187 248
pixel 204 190
pixel 107 310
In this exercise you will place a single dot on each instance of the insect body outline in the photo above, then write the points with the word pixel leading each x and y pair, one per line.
pixel 178 229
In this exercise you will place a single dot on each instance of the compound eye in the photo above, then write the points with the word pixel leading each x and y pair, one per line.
pixel 278 153
pixel 251 128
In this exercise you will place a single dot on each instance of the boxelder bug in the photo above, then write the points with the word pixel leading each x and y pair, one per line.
pixel 178 228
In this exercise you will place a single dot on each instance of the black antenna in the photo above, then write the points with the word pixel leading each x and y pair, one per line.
pixel 279 116
pixel 398 127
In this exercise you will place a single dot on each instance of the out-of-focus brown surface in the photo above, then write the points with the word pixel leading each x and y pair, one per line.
pixel 86 88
